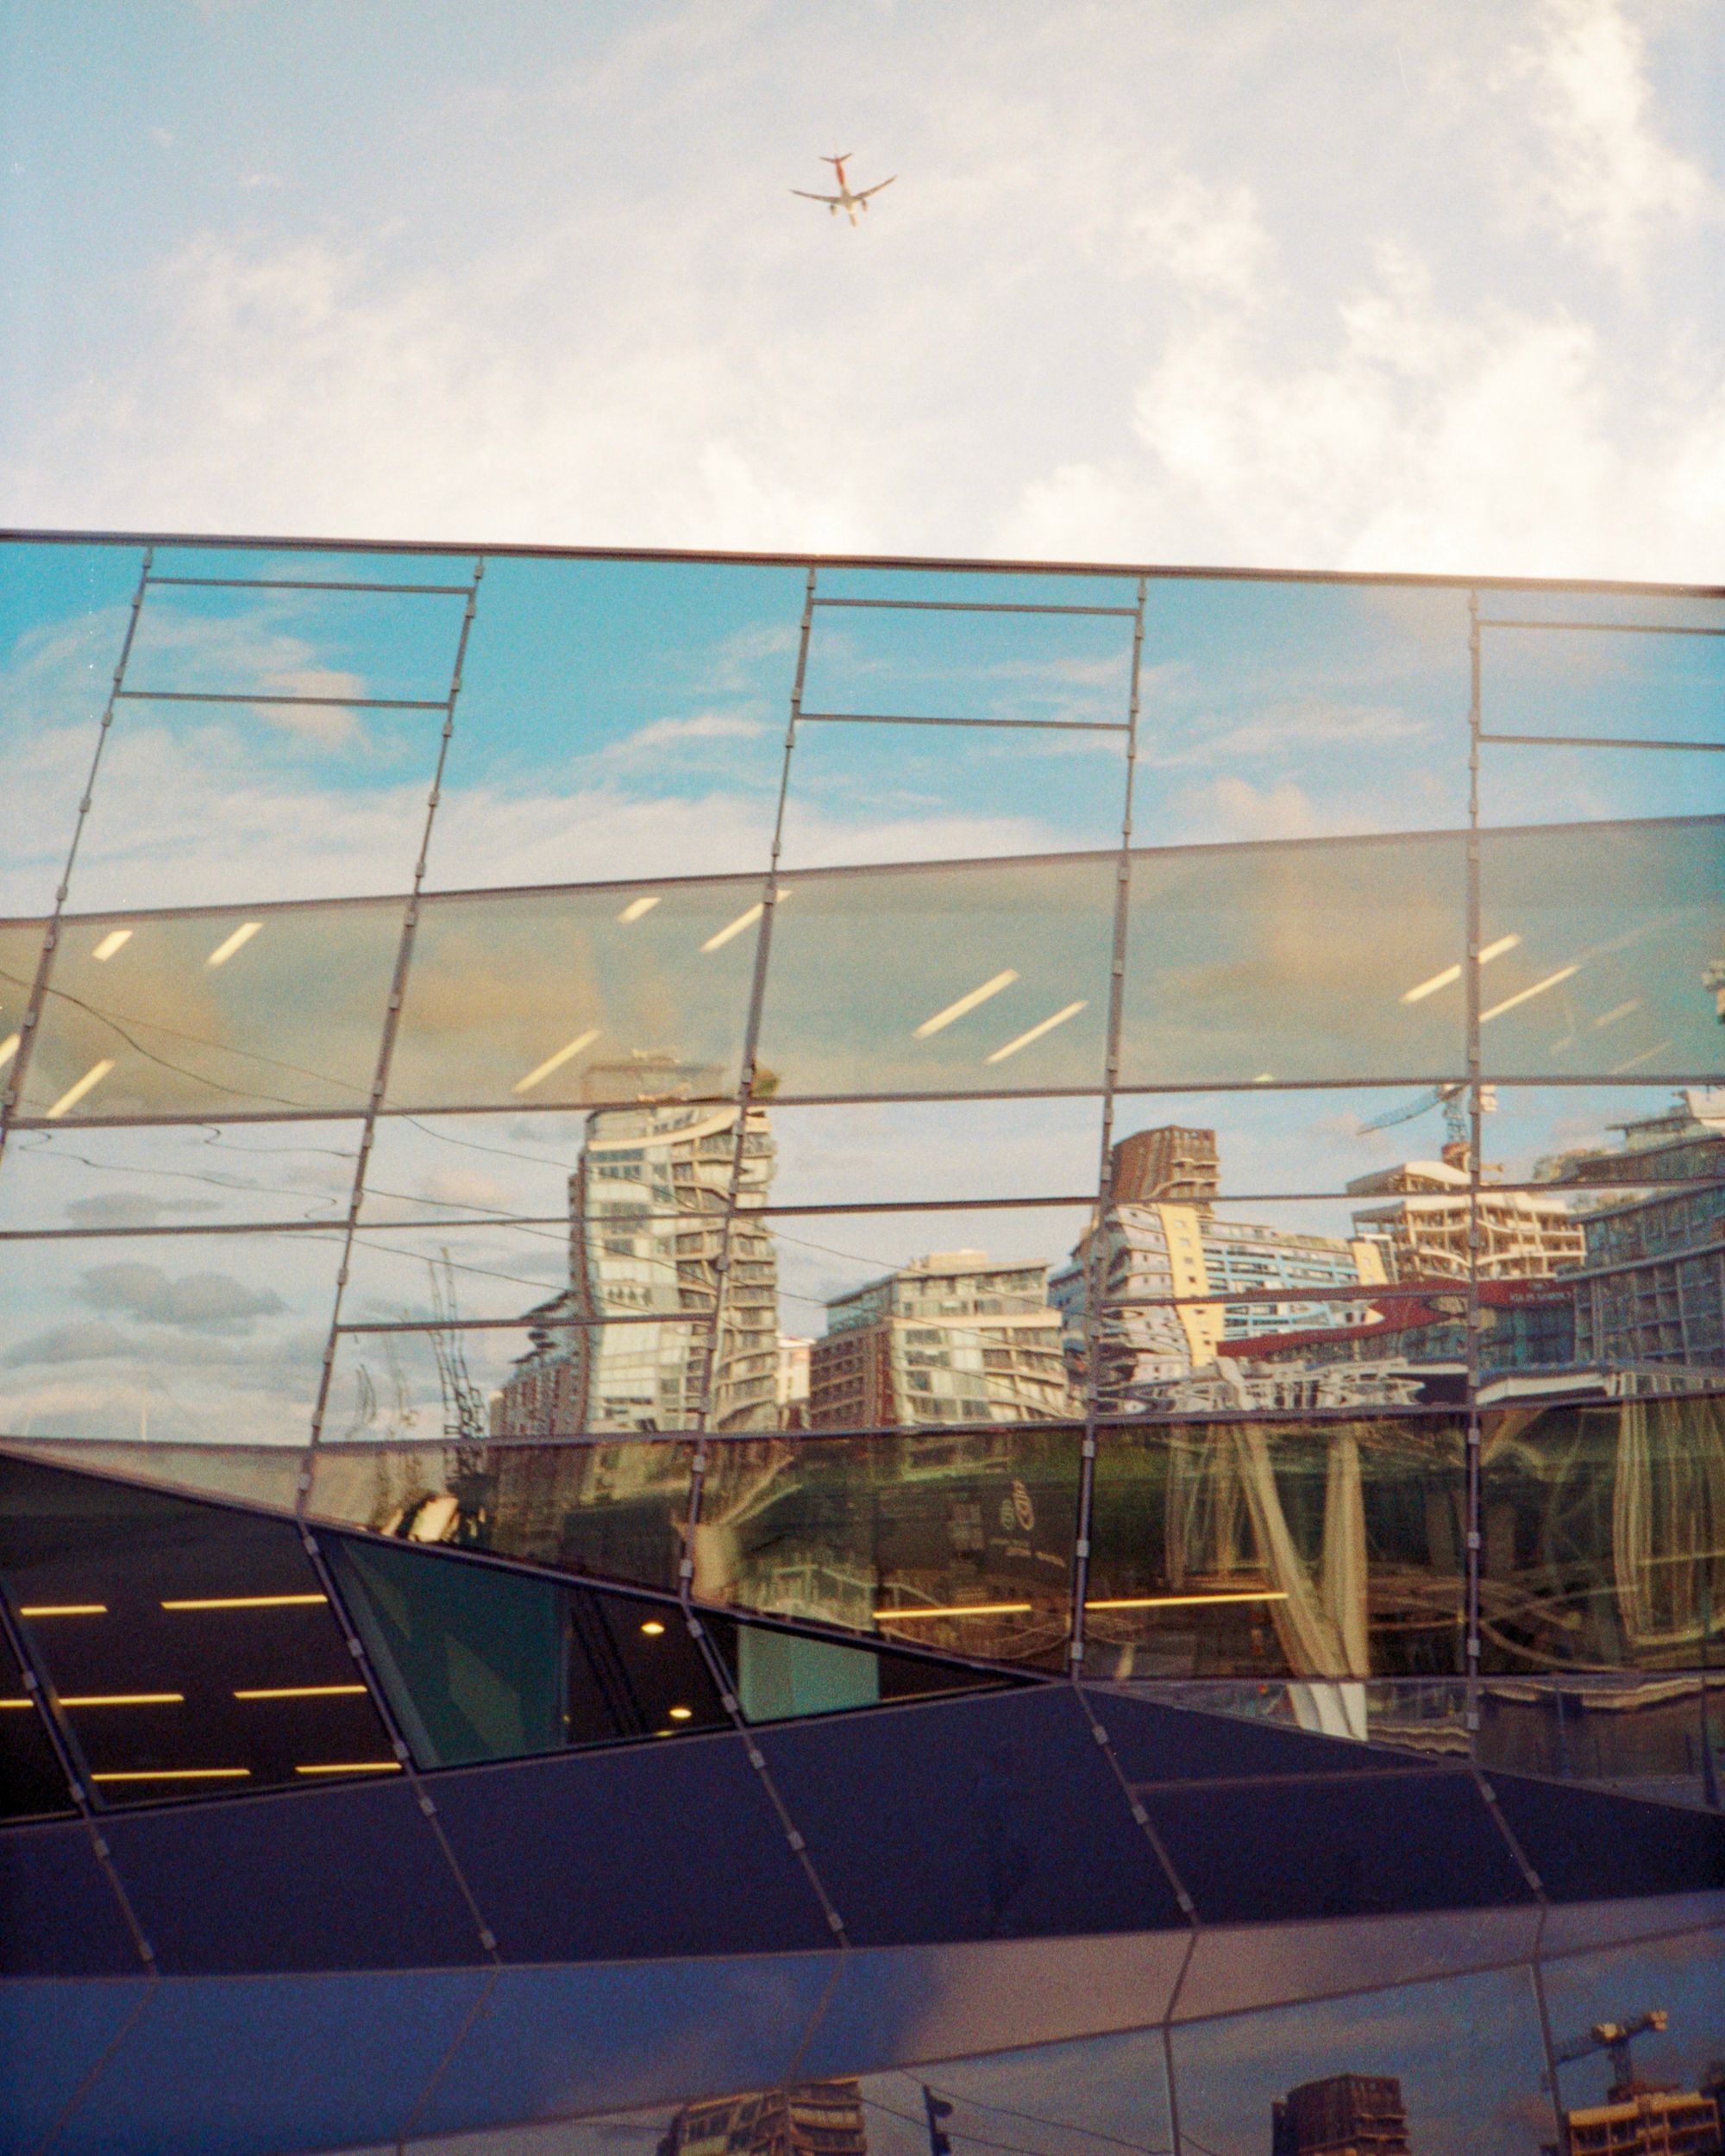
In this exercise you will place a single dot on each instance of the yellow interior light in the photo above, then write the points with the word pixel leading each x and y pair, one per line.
pixel 354 1766
pixel 682 1714
pixel 8 1049
pixel 300 1691
pixel 652 1628
pixel 62 1610
pixel 73 1093
pixel 1036 1032
pixel 1527 995
pixel 637 907
pixel 744 920
pixel 245 1602
pixel 965 1004
pixel 242 936
pixel 960 1609
pixel 116 939
pixel 178 1774
pixel 122 1699
pixel 555 1062
pixel 1182 1602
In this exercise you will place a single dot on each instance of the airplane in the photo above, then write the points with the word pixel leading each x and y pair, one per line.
pixel 844 199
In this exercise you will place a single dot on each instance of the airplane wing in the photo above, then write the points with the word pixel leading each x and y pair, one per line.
pixel 807 196
pixel 865 193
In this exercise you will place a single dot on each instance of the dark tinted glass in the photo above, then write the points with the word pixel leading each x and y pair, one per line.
pixel 31 1783
pixel 191 1650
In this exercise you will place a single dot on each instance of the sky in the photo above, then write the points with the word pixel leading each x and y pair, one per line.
pixel 1284 282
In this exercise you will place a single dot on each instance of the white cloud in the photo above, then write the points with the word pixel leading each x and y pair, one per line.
pixel 1607 181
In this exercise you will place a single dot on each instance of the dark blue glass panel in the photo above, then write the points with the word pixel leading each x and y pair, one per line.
pixel 970 1818
pixel 332 1879
pixel 1589 1844
pixel 554 2041
pixel 58 1915
pixel 1157 1742
pixel 1347 1847
pixel 51 2036
pixel 251 2068
pixel 656 1849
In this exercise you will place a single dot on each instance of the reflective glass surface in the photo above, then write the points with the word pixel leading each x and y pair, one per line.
pixel 31 1783
pixel 819 1166
pixel 190 1650
pixel 1639 2038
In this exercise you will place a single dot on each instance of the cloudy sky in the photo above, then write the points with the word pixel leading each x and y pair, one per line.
pixel 1292 282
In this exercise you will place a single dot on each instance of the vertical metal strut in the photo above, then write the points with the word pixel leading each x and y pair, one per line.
pixel 39 986
pixel 1111 1072
pixel 1472 1481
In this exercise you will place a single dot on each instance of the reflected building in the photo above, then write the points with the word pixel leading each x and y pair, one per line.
pixel 1343 2115
pixel 648 1206
pixel 950 1339
pixel 812 2118
pixel 1423 1233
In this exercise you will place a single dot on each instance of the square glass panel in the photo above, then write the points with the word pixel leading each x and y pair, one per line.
pixel 983 977
pixel 1281 964
pixel 925 1319
pixel 553 999
pixel 614 1511
pixel 1332 1550
pixel 1627 667
pixel 191 1650
pixel 191 1338
pixel 214 1015
pixel 158 1179
pixel 1546 784
pixel 871 793
pixel 1618 933
pixel 1290 710
pixel 1601 1544
pixel 619 719
pixel 957 1541
pixel 63 616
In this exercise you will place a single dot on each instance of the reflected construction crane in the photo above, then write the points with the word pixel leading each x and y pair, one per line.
pixel 1450 1098
pixel 1614 2038
pixel 466 1426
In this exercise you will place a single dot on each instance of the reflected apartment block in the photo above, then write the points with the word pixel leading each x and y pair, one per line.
pixel 813 2118
pixel 1422 1234
pixel 1161 1249
pixel 1343 2115
pixel 647 1211
pixel 950 1339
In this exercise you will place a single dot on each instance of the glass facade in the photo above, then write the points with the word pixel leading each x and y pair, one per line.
pixel 945 1186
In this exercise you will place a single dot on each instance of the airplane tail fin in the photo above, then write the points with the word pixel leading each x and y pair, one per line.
pixel 840 159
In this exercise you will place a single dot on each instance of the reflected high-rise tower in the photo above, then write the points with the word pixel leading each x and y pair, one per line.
pixel 648 1206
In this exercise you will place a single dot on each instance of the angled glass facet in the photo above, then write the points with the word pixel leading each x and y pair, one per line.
pixel 191 1649
pixel 214 1015
pixel 1285 963
pixel 969 977
pixel 557 999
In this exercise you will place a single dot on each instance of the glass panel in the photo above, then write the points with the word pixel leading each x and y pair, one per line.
pixel 873 1152
pixel 191 1650
pixel 20 951
pixel 1594 1140
pixel 783 1676
pixel 214 1339
pixel 1262 965
pixel 63 613
pixel 305 792
pixel 267 1475
pixel 1259 1548
pixel 1376 2070
pixel 1055 2100
pixel 985 977
pixel 1661 1736
pixel 482 1663
pixel 161 1177
pixel 619 719
pixel 891 645
pixel 925 1319
pixel 1521 785
pixel 1603 1529
pixel 545 999
pixel 1291 710
pixel 213 1014
pixel 1639 2037
pixel 31 1783
pixel 1423 1714
pixel 1618 931
pixel 616 1511
pixel 1645 684
pixel 473 1168
pixel 956 1540
pixel 866 793
pixel 1194 1146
